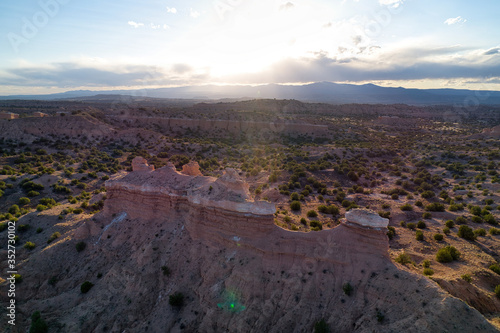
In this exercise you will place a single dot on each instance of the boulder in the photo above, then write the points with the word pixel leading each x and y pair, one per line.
pixel 366 218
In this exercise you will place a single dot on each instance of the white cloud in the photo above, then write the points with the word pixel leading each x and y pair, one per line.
pixel 172 10
pixel 391 3
pixel 455 20
pixel 155 26
pixel 135 24
pixel 193 13
pixel 287 6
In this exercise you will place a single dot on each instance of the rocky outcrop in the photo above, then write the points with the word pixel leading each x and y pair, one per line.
pixel 139 163
pixel 238 271
pixel 191 169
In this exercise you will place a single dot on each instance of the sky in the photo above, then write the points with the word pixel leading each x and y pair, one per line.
pixel 50 46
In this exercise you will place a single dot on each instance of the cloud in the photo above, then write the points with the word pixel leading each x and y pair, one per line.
pixel 495 50
pixel 391 3
pixel 424 63
pixel 455 20
pixel 193 13
pixel 171 10
pixel 135 24
pixel 73 74
pixel 287 6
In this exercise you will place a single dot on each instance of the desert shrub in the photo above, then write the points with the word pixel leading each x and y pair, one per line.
pixel 294 196
pixel 303 221
pixel 166 271
pixel 446 231
pixel 316 225
pixel 295 205
pixel 428 271
pixel 477 219
pixel 53 237
pixel 176 299
pixel 475 210
pixel 352 176
pixel 347 288
pixel 419 203
pixel 312 213
pixel 403 259
pixel 497 291
pixel 427 215
pixel 495 268
pixel 494 231
pixel 33 193
pixel 426 263
pixel 421 225
pixel 384 214
pixel 419 235
pixel 480 232
pixel 23 227
pixel 407 207
pixel 38 325
pixel 449 223
pixel 391 232
pixel 447 254
pixel 490 219
pixel 41 207
pixel 466 233
pixel 394 196
pixel 427 194
pixel 78 211
pixel 460 220
pixel 386 206
pixel 411 226
pixel 86 286
pixel 467 277
pixel 14 209
pixel 435 207
pixel 80 246
pixel 438 237
pixel 24 201
pixel 321 327
pixel 29 245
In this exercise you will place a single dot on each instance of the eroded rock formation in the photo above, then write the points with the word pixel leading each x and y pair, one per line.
pixel 238 271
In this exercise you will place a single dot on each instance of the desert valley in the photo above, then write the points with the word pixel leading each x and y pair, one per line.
pixel 260 215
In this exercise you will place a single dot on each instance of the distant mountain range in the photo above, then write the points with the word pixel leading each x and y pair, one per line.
pixel 325 92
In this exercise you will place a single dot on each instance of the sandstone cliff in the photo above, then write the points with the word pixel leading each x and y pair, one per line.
pixel 239 272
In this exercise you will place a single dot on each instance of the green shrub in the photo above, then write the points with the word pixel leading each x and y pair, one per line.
pixel 33 194
pixel 86 286
pixel 435 207
pixel 23 227
pixel 421 225
pixel 24 201
pixel 419 203
pixel 321 327
pixel 447 254
pixel 426 263
pixel 479 232
pixel 428 271
pixel 460 220
pixel 14 209
pixel 53 237
pixel 407 207
pixel 391 232
pixel 303 221
pixel 427 215
pixel 411 226
pixel 466 233
pixel 29 245
pixel 438 237
pixel 41 207
pixel 38 325
pixel 312 213
pixel 295 205
pixel 497 291
pixel 294 196
pixel 166 271
pixel 347 288
pixel 419 235
pixel 404 258
pixel 80 246
pixel 449 223
pixel 316 225
pixel 494 231
pixel 446 231
pixel 495 268
pixel 176 299
pixel 467 277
